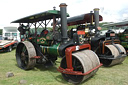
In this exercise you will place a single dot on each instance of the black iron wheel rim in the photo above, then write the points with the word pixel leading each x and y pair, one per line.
pixel 22 56
pixel 76 79
pixel 106 62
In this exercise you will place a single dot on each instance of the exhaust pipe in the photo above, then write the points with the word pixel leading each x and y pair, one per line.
pixel 96 16
pixel 63 13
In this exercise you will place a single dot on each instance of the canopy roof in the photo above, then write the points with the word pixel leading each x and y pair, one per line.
pixel 119 24
pixel 39 17
pixel 81 19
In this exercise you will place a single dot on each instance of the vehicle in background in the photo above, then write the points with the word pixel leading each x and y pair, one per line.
pixel 106 46
pixel 9 39
pixel 1 37
pixel 11 33
pixel 122 32
pixel 7 45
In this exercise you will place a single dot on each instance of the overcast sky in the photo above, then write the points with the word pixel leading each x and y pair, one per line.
pixel 111 10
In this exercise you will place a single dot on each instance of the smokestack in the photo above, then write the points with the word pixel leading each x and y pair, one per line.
pixel 91 18
pixel 63 13
pixel 96 15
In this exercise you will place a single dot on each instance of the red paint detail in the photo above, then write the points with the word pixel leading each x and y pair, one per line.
pixel 68 53
pixel 23 39
pixel 37 57
pixel 10 44
pixel 46 32
pixel 112 34
pixel 108 42
pixel 81 32
pixel 71 72
pixel 126 36
pixel 38 40
pixel 99 28
pixel 69 69
pixel 30 38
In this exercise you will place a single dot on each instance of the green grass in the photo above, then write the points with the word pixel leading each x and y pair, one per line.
pixel 115 75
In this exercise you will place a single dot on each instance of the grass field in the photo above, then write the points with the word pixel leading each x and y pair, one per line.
pixel 116 75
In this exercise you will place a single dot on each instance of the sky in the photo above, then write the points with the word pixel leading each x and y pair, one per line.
pixel 111 10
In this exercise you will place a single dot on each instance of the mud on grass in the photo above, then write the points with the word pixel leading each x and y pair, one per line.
pixel 115 75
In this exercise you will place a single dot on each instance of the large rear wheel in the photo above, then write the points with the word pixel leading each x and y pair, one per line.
pixel 24 53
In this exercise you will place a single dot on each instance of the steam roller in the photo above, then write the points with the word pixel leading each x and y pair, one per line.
pixel 106 46
pixel 44 46
pixel 108 49
pixel 79 66
pixel 114 54
pixel 81 61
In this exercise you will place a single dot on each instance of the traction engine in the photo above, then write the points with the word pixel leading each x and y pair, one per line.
pixel 108 49
pixel 44 46
pixel 107 46
pixel 124 39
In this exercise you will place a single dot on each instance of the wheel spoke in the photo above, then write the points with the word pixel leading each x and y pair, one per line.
pixel 76 67
pixel 23 55
pixel 107 52
pixel 74 62
pixel 79 67
pixel 24 50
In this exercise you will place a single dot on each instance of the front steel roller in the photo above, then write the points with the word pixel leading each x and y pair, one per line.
pixel 82 61
pixel 24 53
pixel 112 55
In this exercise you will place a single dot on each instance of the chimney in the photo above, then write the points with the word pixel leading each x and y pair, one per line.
pixel 63 13
pixel 96 16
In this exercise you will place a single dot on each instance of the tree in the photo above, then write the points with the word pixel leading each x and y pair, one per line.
pixel 1 31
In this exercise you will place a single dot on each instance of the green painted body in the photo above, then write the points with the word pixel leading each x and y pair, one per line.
pixel 45 40
pixel 51 50
pixel 124 39
pixel 41 36
pixel 46 43
pixel 36 17
pixel 124 44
